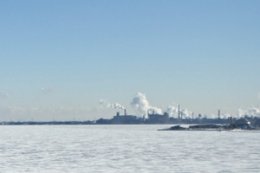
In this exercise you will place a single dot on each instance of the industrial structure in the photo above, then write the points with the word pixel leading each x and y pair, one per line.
pixel 152 118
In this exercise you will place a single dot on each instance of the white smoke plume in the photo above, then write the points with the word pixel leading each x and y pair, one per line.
pixel 186 113
pixel 253 111
pixel 117 106
pixel 142 105
pixel 106 104
pixel 172 111
pixel 155 110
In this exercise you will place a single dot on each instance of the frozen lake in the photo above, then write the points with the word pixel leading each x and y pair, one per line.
pixel 126 149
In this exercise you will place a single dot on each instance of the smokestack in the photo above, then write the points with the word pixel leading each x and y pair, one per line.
pixel 179 111
pixel 125 112
pixel 149 112
pixel 219 114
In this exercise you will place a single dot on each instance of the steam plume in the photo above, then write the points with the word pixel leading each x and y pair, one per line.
pixel 253 111
pixel 111 105
pixel 172 111
pixel 142 105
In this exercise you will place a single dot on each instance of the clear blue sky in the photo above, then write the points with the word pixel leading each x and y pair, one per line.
pixel 59 57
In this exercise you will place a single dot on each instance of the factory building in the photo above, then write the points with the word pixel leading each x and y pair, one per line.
pixel 155 118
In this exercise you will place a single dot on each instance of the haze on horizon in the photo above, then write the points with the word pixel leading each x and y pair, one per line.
pixel 59 58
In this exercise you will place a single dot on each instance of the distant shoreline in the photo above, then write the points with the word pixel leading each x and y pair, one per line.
pixel 255 121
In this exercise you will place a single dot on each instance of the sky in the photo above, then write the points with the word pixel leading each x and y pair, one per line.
pixel 58 58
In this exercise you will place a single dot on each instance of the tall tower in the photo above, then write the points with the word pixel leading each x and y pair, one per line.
pixel 179 111
pixel 219 113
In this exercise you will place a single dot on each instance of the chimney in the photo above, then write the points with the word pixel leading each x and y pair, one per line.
pixel 179 111
pixel 125 112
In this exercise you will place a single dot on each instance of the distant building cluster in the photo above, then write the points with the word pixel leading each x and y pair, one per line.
pixel 151 118
pixel 155 118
